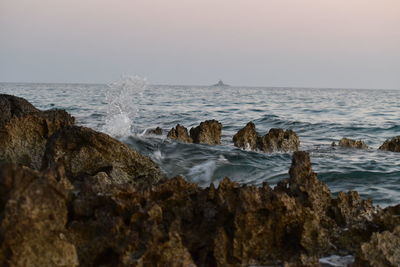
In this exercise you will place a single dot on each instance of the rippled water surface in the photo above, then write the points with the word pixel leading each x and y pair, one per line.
pixel 319 116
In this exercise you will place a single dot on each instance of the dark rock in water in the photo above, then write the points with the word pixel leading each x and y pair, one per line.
pixel 86 152
pixel 33 218
pixel 246 137
pixel 345 142
pixel 156 131
pixel 276 140
pixel 208 132
pixel 279 140
pixel 391 144
pixel 180 133
pixel 24 130
pixel 382 250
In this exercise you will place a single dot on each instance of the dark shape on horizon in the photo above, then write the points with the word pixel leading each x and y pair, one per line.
pixel 221 84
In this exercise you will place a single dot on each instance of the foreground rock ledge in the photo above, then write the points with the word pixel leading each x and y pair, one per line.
pixel 24 130
pixel 88 206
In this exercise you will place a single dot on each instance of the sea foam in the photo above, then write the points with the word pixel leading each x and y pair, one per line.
pixel 123 105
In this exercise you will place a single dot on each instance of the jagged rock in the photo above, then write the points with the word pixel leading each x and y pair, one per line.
pixel 345 142
pixel 180 133
pixel 246 137
pixel 85 152
pixel 208 132
pixel 24 130
pixel 274 141
pixel 391 144
pixel 382 250
pixel 33 216
pixel 156 131
pixel 279 140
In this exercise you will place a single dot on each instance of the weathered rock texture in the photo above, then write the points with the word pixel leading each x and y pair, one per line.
pixel 391 144
pixel 276 140
pixel 350 143
pixel 85 152
pixel 247 137
pixel 180 133
pixel 279 140
pixel 88 207
pixel 208 132
pixel 24 130
pixel 382 250
pixel 33 208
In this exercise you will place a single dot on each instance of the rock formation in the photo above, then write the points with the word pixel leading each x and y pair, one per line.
pixel 350 143
pixel 33 218
pixel 24 130
pixel 391 144
pixel 276 140
pixel 208 132
pixel 180 133
pixel 85 152
pixel 279 140
pixel 155 131
pixel 88 207
pixel 246 138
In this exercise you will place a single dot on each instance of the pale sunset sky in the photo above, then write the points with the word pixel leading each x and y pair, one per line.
pixel 299 43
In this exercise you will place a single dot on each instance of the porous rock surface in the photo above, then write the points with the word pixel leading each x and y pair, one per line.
pixel 391 144
pixel 350 143
pixel 208 132
pixel 276 140
pixel 85 152
pixel 33 209
pixel 24 130
pixel 180 133
pixel 87 207
pixel 247 137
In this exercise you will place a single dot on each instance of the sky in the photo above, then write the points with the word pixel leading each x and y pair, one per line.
pixel 294 43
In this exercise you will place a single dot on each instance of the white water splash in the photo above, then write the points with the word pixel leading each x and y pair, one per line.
pixel 123 99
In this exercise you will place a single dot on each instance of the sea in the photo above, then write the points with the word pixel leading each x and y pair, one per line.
pixel 129 107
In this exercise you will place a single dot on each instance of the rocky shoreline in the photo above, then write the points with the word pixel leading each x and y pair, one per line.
pixel 71 196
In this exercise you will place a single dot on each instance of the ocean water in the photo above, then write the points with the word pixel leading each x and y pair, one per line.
pixel 126 108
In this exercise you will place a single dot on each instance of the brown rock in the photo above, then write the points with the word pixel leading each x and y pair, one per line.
pixel 33 218
pixel 180 133
pixel 246 137
pixel 24 130
pixel 85 152
pixel 350 143
pixel 382 250
pixel 208 132
pixel 279 140
pixel 391 144
pixel 156 131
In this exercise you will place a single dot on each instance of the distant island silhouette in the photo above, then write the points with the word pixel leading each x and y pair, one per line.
pixel 220 83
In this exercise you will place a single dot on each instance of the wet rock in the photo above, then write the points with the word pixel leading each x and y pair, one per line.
pixel 279 140
pixel 382 250
pixel 276 140
pixel 350 143
pixel 391 144
pixel 34 210
pixel 85 152
pixel 208 132
pixel 24 130
pixel 156 131
pixel 246 138
pixel 180 133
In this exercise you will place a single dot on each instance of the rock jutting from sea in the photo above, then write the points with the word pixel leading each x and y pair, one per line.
pixel 96 202
pixel 276 140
